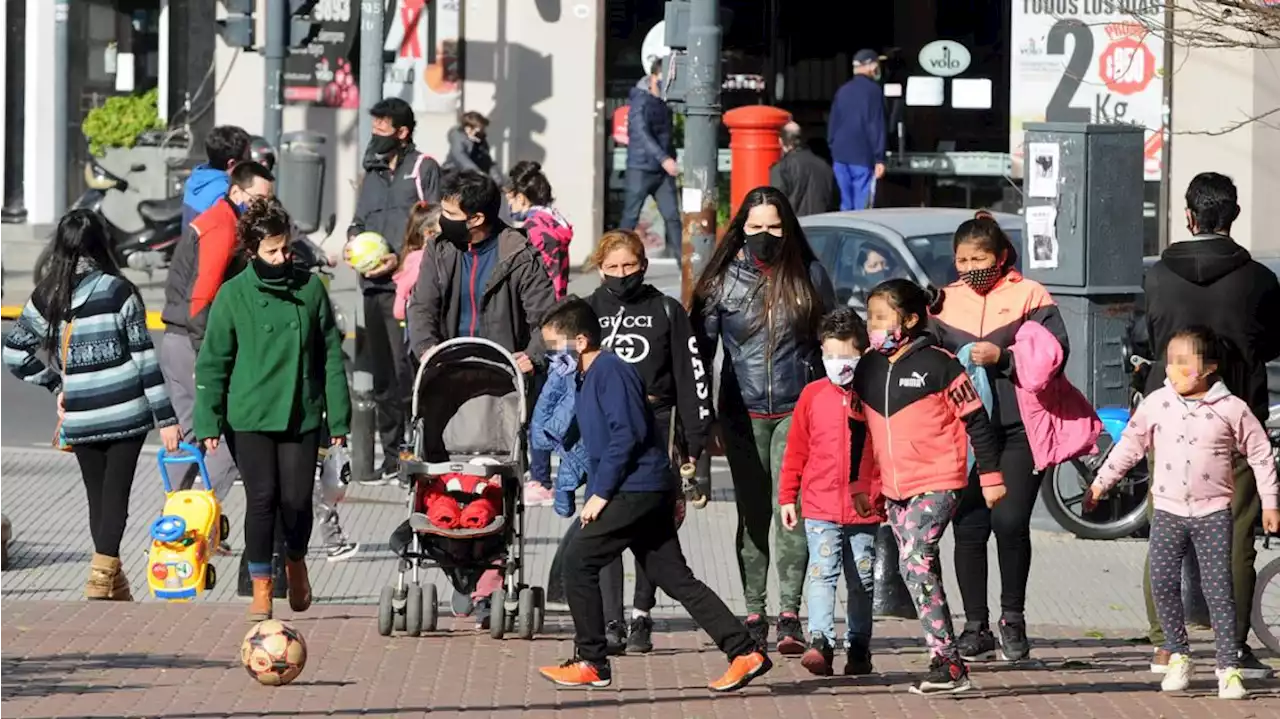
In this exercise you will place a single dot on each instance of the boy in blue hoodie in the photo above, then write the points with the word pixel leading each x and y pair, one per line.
pixel 631 496
pixel 225 145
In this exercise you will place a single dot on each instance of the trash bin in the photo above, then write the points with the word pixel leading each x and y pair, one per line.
pixel 300 178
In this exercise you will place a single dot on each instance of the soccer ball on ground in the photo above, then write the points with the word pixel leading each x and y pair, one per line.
pixel 273 652
pixel 365 251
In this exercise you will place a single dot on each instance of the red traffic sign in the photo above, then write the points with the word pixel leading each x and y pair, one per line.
pixel 1127 66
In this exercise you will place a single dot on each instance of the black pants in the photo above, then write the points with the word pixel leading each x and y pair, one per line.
pixel 279 470
pixel 107 470
pixel 387 359
pixel 645 523
pixel 1010 521
pixel 640 184
pixel 611 583
pixel 1211 537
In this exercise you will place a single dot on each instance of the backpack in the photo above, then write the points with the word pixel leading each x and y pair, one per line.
pixel 416 175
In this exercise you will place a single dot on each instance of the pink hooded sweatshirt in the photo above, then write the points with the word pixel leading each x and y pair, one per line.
pixel 405 278
pixel 1195 442
pixel 1061 422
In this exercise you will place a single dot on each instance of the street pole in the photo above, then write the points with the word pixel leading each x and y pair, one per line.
pixel 699 198
pixel 273 55
pixel 371 37
pixel 15 71
pixel 61 9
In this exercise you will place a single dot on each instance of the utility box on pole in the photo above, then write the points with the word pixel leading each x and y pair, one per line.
pixel 1083 242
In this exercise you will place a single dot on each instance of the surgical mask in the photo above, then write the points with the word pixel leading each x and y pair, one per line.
pixel 886 341
pixel 624 288
pixel 563 362
pixel 269 272
pixel 455 232
pixel 764 246
pixel 875 278
pixel 981 281
pixel 840 369
pixel 383 144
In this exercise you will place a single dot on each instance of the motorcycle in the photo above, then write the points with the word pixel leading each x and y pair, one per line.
pixel 149 248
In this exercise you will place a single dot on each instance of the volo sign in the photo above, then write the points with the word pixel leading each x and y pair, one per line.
pixel 1087 61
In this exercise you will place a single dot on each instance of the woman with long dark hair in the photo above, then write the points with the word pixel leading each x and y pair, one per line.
pixel 91 326
pixel 270 378
pixel 762 295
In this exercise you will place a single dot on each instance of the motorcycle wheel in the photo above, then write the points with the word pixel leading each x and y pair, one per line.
pixel 1121 514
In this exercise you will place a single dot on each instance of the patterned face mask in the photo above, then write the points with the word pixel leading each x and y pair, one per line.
pixel 981 281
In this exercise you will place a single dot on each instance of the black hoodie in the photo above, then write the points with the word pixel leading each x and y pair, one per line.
pixel 653 333
pixel 1213 282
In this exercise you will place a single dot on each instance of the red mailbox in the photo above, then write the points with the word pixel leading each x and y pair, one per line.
pixel 753 147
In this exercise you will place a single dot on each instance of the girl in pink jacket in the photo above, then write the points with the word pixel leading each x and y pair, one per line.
pixel 1196 427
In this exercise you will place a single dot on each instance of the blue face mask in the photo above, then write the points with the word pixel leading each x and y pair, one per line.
pixel 241 207
pixel 563 362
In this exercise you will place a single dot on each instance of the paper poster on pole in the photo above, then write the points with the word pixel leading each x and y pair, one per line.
pixel 1072 64
pixel 1042 169
pixel 1042 237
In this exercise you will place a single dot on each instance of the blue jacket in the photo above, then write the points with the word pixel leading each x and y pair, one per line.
pixel 625 452
pixel 477 264
pixel 203 188
pixel 856 127
pixel 649 129
pixel 981 383
pixel 555 429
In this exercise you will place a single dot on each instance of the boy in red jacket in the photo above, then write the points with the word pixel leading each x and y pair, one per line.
pixel 830 463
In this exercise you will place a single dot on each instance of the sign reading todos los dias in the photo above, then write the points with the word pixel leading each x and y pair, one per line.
pixel 1087 61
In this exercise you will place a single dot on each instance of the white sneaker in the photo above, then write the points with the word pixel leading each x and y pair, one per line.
pixel 1178 677
pixel 1231 684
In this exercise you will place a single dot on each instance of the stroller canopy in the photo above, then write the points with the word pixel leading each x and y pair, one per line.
pixel 469 399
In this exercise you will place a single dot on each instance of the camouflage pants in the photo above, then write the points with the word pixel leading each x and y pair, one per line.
pixel 755 459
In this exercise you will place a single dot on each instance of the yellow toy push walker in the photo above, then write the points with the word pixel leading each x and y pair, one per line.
pixel 186 533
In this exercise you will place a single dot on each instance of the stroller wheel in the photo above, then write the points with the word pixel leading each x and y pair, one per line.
pixel 386 613
pixel 497 613
pixel 398 606
pixel 539 609
pixel 430 608
pixel 525 613
pixel 413 610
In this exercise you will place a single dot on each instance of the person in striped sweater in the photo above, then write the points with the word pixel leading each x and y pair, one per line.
pixel 90 323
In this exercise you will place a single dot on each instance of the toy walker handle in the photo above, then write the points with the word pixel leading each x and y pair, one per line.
pixel 187 454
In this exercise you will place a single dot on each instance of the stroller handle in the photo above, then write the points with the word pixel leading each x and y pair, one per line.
pixel 190 454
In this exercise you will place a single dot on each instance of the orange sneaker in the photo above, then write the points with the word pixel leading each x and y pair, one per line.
pixel 742 670
pixel 578 673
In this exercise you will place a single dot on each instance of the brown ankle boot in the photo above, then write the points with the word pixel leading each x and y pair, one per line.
pixel 102 576
pixel 120 591
pixel 260 605
pixel 299 584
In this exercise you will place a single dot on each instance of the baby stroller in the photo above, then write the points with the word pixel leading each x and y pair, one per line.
pixel 467 426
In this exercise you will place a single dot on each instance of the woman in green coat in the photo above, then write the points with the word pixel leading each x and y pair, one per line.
pixel 269 377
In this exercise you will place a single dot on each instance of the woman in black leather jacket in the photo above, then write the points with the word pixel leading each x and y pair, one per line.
pixel 761 296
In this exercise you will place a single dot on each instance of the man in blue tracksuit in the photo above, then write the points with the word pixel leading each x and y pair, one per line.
pixel 856 133
pixel 651 159
pixel 225 145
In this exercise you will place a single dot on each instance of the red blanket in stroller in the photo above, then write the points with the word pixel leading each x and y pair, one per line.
pixel 454 501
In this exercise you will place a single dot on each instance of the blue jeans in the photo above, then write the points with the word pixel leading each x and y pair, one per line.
pixel 857 186
pixel 832 548
pixel 640 185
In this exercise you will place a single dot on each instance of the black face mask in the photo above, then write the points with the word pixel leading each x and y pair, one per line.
pixel 383 144
pixel 455 232
pixel 764 247
pixel 269 272
pixel 624 288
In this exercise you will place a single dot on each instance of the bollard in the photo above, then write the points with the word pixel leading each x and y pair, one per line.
pixel 6 533
pixel 364 425
pixel 891 596
pixel 754 147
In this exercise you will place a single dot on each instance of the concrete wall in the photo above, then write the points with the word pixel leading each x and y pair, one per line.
pixel 534 68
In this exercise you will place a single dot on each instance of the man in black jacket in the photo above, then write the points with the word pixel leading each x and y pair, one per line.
pixel 1211 281
pixel 651 159
pixel 803 177
pixel 397 176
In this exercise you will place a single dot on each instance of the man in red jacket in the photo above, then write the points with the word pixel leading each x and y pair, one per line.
pixel 829 462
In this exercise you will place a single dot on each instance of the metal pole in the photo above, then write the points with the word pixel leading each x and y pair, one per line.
pixel 15 72
pixel 273 55
pixel 371 39
pixel 61 10
pixel 700 199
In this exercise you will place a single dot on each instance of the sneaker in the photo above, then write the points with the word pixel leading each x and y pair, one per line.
pixel 758 626
pixel 1178 678
pixel 640 635
pixel 1160 660
pixel 615 639
pixel 1251 667
pixel 536 495
pixel 945 677
pixel 790 635
pixel 390 469
pixel 578 673
pixel 1231 684
pixel 742 671
pixel 482 611
pixel 461 604
pixel 819 657
pixel 380 477
pixel 1014 646
pixel 976 642
pixel 340 551
pixel 858 658
pixel 224 549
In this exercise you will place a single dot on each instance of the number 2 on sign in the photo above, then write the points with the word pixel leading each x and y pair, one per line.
pixel 1059 108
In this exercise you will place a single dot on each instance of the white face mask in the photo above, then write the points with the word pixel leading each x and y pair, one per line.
pixel 840 369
